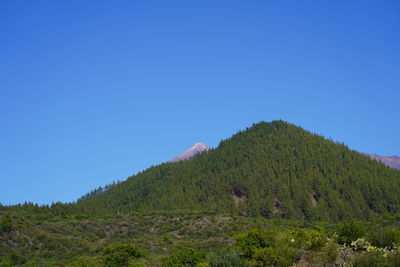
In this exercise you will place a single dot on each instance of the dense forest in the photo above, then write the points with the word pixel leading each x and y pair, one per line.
pixel 271 195
pixel 274 170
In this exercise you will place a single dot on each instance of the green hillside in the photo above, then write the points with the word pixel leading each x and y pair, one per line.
pixel 274 170
pixel 271 195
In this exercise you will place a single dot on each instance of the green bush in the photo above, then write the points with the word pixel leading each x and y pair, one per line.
pixel 384 237
pixel 17 259
pixel 349 231
pixel 84 261
pixel 273 248
pixel 121 255
pixel 279 257
pixel 393 259
pixel 309 239
pixel 5 224
pixel 187 257
pixel 137 263
pixel 247 243
pixel 227 258
pixel 361 245
pixel 370 259
pixel 330 252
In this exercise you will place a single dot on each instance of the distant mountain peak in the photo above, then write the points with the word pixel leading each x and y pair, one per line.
pixel 390 161
pixel 194 150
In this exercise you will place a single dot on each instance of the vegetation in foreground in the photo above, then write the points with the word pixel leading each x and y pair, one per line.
pixel 193 239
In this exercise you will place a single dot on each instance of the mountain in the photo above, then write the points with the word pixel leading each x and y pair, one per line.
pixel 390 161
pixel 194 150
pixel 204 208
pixel 274 170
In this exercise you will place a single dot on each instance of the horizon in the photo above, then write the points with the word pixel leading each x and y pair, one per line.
pixel 93 92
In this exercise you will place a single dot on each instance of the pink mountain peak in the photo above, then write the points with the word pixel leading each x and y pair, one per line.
pixel 194 150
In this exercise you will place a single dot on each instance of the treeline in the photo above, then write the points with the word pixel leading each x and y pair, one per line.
pixel 276 170
pixel 30 209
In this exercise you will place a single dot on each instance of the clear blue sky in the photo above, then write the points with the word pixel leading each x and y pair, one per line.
pixel 94 91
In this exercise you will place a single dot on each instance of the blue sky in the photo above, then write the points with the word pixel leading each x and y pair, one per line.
pixel 94 91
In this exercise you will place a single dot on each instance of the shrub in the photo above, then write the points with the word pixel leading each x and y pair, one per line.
pixel 12 259
pixel 349 231
pixel 187 257
pixel 16 259
pixel 227 258
pixel 247 243
pixel 271 248
pixel 309 239
pixel 361 245
pixel 370 259
pixel 393 258
pixel 330 252
pixel 121 255
pixel 384 237
pixel 83 261
pixel 5 224
pixel 137 263
pixel 279 257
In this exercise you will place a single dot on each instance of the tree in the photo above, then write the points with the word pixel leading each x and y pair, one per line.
pixel 121 255
pixel 350 231
pixel 6 224
pixel 187 257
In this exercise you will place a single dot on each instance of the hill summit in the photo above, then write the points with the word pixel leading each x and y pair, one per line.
pixel 274 170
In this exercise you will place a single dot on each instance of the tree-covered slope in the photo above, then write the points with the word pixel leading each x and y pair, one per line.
pixel 272 169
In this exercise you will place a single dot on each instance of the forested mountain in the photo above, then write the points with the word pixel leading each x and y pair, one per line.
pixel 272 169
